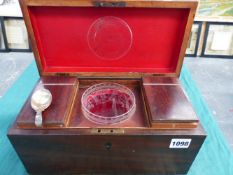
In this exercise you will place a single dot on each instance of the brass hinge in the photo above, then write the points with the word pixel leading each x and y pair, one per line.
pixel 109 4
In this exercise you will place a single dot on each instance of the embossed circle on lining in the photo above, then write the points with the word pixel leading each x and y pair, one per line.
pixel 109 38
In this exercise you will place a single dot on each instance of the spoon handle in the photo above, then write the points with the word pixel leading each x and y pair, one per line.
pixel 38 119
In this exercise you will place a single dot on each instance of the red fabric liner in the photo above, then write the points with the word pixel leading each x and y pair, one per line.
pixel 61 36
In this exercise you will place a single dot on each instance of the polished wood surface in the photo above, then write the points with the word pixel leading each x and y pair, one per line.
pixel 62 90
pixel 116 3
pixel 151 80
pixel 188 4
pixel 160 103
pixel 65 109
pixel 79 151
pixel 69 144
pixel 81 147
pixel 139 119
pixel 168 105
pixel 186 39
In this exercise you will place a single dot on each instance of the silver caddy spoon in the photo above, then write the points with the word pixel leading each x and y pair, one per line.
pixel 40 100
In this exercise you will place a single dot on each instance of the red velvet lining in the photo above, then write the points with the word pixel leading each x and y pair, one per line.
pixel 61 36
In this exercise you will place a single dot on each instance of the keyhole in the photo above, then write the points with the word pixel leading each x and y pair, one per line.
pixel 108 145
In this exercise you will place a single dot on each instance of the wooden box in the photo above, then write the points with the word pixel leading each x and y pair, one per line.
pixel 139 44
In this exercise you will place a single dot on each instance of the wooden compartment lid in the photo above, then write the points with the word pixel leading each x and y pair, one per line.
pixel 109 38
pixel 63 90
pixel 169 107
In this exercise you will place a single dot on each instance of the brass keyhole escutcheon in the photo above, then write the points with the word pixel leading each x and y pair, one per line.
pixel 103 131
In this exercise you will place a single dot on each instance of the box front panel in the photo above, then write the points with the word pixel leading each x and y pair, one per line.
pixel 124 154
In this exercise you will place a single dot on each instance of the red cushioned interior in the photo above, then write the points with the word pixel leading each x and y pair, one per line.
pixel 62 32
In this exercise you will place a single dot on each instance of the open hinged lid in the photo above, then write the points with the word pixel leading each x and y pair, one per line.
pixel 83 37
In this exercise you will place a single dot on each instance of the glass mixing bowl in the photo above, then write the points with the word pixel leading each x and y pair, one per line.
pixel 108 103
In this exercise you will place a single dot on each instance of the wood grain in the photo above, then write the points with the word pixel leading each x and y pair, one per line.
pixel 138 120
pixel 186 36
pixel 115 3
pixel 77 151
pixel 62 90
pixel 169 108
pixel 133 147
pixel 188 4
pixel 69 144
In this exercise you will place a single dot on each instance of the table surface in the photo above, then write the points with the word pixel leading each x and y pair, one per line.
pixel 214 78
